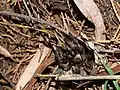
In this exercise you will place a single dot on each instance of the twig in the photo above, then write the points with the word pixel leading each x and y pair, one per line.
pixel 24 51
pixel 64 22
pixel 22 26
pixel 48 82
pixel 68 4
pixel 18 65
pixel 27 8
pixel 108 41
pixel 2 75
pixel 34 19
pixel 107 51
pixel 79 77
pixel 67 19
pixel 83 84
pixel 40 3
pixel 115 35
pixel 5 22
pixel 5 35
pixel 34 12
pixel 115 10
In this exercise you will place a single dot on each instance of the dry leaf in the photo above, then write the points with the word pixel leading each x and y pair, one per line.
pixel 46 50
pixel 31 68
pixel 91 11
pixel 48 60
pixel 5 52
pixel 115 69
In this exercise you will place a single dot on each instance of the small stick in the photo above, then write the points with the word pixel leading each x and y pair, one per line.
pixel 2 75
pixel 34 12
pixel 112 3
pixel 34 19
pixel 115 35
pixel 64 22
pixel 79 77
pixel 5 35
pixel 40 3
pixel 49 80
pixel 27 8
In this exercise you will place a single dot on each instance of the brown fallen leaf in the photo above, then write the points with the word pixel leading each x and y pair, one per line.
pixel 91 11
pixel 29 71
pixel 115 70
pixel 48 60
pixel 31 68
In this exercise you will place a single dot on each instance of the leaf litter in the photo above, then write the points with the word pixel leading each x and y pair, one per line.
pixel 59 44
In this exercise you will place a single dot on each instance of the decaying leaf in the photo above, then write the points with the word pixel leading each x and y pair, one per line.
pixel 44 54
pixel 91 11
pixel 31 68
pixel 48 60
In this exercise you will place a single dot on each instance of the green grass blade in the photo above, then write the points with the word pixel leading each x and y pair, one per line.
pixel 110 72
pixel 105 85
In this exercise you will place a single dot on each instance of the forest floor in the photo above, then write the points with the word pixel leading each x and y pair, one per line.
pixel 59 44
